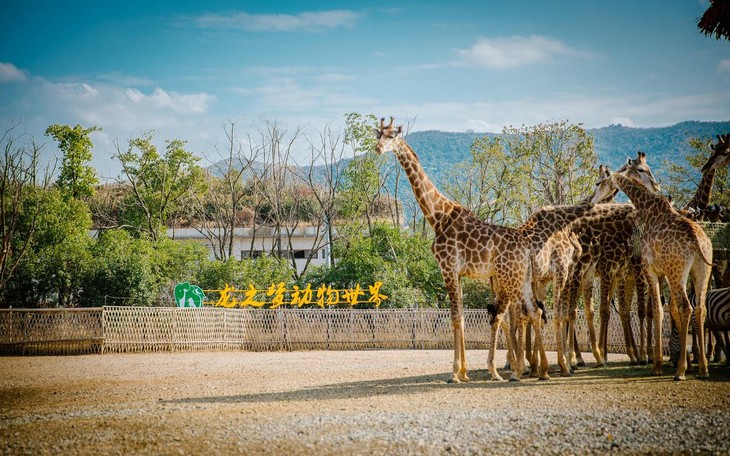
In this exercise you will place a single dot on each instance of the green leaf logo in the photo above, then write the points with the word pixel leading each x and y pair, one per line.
pixel 187 295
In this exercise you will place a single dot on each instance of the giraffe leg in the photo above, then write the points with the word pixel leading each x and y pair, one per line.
pixel 625 293
pixel 701 273
pixel 539 346
pixel 590 313
pixel 561 321
pixel 560 340
pixel 681 312
pixel 518 326
pixel 658 314
pixel 497 322
pixel 453 285
pixel 605 314
pixel 649 331
pixel 644 337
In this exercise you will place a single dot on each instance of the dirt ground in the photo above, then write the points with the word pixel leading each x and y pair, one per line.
pixel 349 402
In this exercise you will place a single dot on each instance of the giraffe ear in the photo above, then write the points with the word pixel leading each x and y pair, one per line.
pixel 400 129
pixel 377 132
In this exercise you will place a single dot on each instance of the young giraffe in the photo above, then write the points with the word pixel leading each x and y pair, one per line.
pixel 697 206
pixel 554 249
pixel 674 247
pixel 607 242
pixel 466 246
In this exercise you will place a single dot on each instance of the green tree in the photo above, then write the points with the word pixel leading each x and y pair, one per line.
pixel 361 182
pixel 51 271
pixel 486 183
pixel 556 163
pixel 399 259
pixel 120 272
pixel 22 190
pixel 157 183
pixel 77 179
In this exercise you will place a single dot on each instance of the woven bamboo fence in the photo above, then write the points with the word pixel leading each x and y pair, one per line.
pixel 151 329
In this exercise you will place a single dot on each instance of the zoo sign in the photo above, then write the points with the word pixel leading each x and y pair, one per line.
pixel 187 295
pixel 277 294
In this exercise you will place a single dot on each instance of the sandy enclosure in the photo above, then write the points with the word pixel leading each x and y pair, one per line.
pixel 348 402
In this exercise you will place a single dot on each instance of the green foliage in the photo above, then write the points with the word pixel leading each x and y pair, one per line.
pixel 260 272
pixel 77 178
pixel 402 261
pixel 361 182
pixel 121 272
pixel 128 270
pixel 485 184
pixel 556 162
pixel 51 270
pixel 158 183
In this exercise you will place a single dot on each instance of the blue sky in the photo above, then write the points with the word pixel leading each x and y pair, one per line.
pixel 185 69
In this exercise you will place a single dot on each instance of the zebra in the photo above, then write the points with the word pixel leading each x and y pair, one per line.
pixel 717 321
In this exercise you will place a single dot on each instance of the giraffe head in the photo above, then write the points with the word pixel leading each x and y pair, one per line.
pixel 640 170
pixel 636 168
pixel 387 136
pixel 720 153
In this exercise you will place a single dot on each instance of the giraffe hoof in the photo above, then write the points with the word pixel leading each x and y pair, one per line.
pixel 496 378
pixel 581 364
pixel 515 379
pixel 679 378
pixel 453 380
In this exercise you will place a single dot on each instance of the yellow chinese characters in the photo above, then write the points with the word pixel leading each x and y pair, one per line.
pixel 277 294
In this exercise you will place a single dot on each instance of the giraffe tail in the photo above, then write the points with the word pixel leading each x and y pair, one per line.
pixel 704 258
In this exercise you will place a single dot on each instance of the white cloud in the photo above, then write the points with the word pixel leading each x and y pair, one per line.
pixel 196 103
pixel 307 21
pixel 724 66
pixel 515 51
pixel 593 111
pixel 10 73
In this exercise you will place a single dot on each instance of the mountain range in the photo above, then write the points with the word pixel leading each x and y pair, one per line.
pixel 438 150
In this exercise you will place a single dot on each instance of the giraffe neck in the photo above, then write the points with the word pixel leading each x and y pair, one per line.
pixel 703 193
pixel 432 202
pixel 649 205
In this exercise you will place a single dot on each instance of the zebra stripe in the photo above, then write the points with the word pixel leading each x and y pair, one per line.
pixel 717 304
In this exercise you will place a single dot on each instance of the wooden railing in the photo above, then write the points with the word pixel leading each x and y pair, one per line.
pixel 144 329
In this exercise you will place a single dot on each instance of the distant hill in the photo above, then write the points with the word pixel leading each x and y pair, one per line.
pixel 439 150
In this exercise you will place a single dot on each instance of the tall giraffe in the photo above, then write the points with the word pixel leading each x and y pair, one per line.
pixel 466 246
pixel 697 206
pixel 674 247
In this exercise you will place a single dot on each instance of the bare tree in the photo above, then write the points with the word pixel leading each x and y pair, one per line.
pixel 323 177
pixel 19 183
pixel 221 209
pixel 273 187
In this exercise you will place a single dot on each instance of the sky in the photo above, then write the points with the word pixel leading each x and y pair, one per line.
pixel 187 69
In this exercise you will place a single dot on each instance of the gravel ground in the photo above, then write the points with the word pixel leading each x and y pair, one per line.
pixel 356 402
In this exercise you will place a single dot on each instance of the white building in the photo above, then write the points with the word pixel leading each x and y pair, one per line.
pixel 303 241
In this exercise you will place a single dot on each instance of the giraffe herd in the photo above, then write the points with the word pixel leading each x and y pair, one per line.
pixel 569 246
